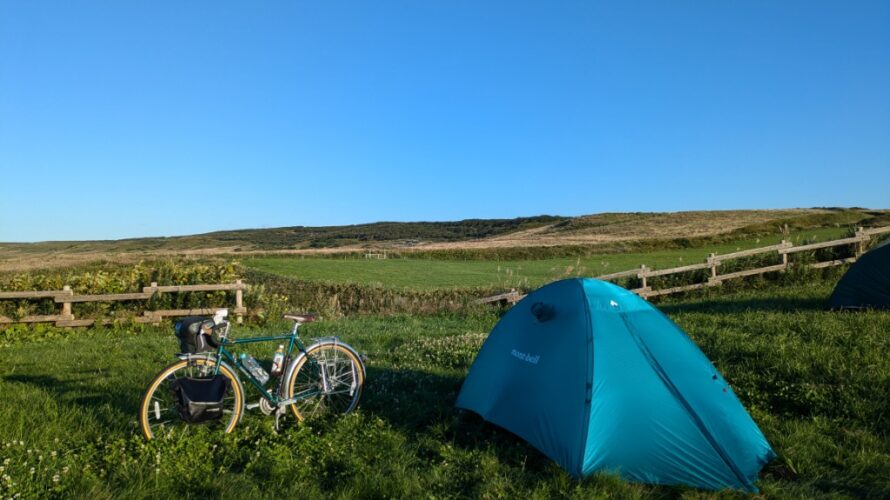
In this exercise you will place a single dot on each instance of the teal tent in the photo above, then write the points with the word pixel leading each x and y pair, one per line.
pixel 598 379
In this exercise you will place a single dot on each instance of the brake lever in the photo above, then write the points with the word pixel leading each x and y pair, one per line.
pixel 222 331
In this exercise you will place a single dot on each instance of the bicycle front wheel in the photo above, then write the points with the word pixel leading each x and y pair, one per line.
pixel 328 380
pixel 158 413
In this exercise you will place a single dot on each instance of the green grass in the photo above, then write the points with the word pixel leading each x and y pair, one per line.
pixel 817 382
pixel 425 274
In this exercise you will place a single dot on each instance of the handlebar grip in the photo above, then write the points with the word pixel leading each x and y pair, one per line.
pixel 216 333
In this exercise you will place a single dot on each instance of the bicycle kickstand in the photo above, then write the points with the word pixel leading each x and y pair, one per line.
pixel 279 412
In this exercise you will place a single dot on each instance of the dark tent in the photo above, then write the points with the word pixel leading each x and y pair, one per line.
pixel 867 282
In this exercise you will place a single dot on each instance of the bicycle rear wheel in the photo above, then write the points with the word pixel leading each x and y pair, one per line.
pixel 158 413
pixel 328 380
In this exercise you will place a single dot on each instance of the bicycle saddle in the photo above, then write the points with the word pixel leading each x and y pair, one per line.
pixel 301 318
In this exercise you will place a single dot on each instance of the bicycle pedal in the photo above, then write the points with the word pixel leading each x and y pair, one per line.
pixel 252 406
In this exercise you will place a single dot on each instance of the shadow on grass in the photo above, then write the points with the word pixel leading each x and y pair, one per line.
pixel 76 390
pixel 736 305
pixel 420 404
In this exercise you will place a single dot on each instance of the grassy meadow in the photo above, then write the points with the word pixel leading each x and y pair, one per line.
pixel 817 382
pixel 428 273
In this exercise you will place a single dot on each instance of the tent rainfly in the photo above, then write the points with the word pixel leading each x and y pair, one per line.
pixel 866 285
pixel 598 379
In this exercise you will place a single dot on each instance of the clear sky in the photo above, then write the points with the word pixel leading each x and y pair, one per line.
pixel 137 118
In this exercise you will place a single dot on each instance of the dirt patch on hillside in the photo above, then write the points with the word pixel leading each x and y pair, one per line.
pixel 613 228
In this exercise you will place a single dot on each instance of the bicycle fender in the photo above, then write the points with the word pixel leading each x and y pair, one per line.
pixel 323 341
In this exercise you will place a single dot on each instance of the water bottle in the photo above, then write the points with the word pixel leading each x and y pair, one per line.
pixel 278 361
pixel 253 366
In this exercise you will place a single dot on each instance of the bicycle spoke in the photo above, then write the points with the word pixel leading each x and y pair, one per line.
pixel 160 407
pixel 332 372
pixel 344 391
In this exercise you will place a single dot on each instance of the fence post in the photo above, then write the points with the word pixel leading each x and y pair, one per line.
pixel 712 260
pixel 784 255
pixel 239 300
pixel 155 319
pixel 642 275
pixel 66 306
pixel 860 245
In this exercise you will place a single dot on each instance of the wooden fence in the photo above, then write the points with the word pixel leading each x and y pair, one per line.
pixel 65 297
pixel 714 261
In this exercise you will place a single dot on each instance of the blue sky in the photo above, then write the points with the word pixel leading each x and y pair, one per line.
pixel 124 119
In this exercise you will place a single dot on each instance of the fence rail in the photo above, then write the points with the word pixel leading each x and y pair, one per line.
pixel 714 261
pixel 66 297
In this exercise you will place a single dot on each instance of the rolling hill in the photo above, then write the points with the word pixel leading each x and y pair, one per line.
pixel 600 231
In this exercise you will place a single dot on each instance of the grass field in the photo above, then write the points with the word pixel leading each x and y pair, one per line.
pixel 429 273
pixel 817 382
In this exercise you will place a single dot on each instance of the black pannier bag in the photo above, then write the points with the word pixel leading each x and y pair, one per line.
pixel 200 400
pixel 191 338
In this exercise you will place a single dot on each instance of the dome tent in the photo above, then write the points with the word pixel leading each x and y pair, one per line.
pixel 598 379
pixel 867 283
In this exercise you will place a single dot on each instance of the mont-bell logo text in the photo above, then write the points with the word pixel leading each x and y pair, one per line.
pixel 528 358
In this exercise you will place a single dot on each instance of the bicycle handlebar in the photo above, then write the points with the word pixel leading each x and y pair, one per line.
pixel 220 331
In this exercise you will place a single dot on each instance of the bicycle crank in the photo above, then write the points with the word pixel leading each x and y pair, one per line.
pixel 266 407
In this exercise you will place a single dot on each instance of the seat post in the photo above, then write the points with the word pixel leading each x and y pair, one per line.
pixel 296 326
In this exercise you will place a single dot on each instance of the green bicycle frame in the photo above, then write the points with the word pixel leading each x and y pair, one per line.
pixel 223 354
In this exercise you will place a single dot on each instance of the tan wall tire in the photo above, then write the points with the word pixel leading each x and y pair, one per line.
pixel 304 372
pixel 224 370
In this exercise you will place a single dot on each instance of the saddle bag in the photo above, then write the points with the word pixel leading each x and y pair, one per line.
pixel 190 332
pixel 200 400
